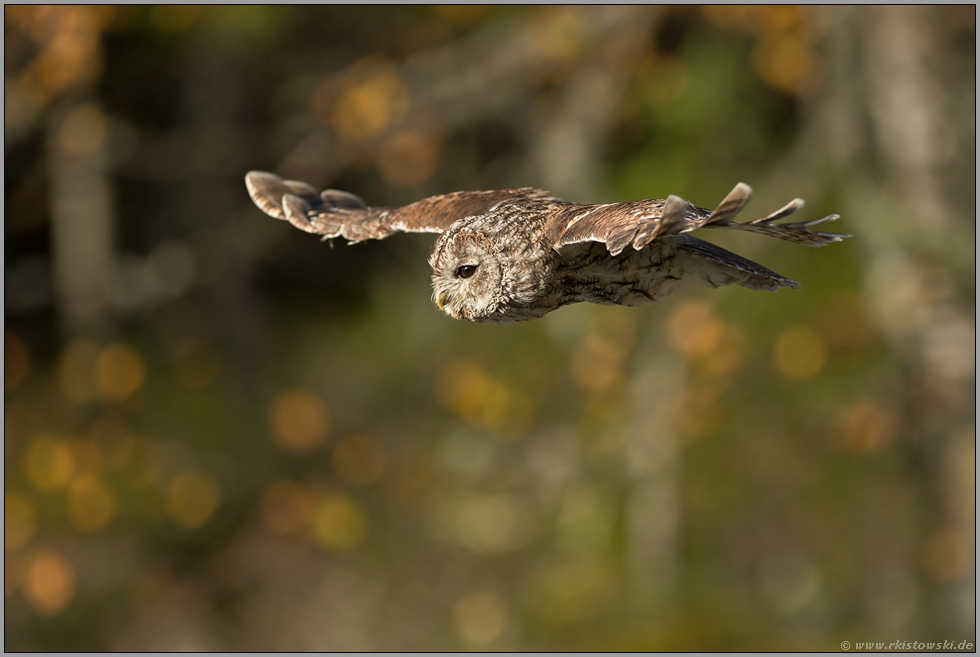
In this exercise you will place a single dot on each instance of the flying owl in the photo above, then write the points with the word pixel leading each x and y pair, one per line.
pixel 517 254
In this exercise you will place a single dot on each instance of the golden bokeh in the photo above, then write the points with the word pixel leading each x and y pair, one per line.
pixel 19 521
pixel 288 506
pixel 83 130
pixel 191 499
pixel 467 389
pixel 69 39
pixel 369 105
pixel 196 363
pixel 339 524
pixel 693 328
pixel 755 19
pixel 359 460
pixel 76 370
pixel 91 504
pixel 49 463
pixel 299 421
pixel 785 62
pixel 596 364
pixel 480 617
pixel 16 360
pixel 728 354
pixel 948 554
pixel 408 158
pixel 846 322
pixel 49 583
pixel 782 56
pixel 867 426
pixel 799 353
pixel 119 372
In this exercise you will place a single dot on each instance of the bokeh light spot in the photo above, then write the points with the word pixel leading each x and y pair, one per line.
pixel 596 364
pixel 299 421
pixel 728 354
pixel 755 19
pixel 480 617
pixel 867 426
pixel 49 463
pixel 784 62
pixel 19 521
pixel 367 107
pixel 846 322
pixel 693 328
pixel 49 583
pixel 288 506
pixel 468 390
pixel 800 353
pixel 77 370
pixel 408 158
pixel 192 498
pixel 947 555
pixel 91 505
pixel 16 360
pixel 359 460
pixel 340 524
pixel 119 372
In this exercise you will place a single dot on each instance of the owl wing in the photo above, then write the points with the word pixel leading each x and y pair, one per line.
pixel 333 213
pixel 641 222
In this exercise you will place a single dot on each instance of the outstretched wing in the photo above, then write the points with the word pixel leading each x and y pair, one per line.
pixel 640 222
pixel 333 213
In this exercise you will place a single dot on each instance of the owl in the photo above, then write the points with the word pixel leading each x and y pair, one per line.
pixel 517 254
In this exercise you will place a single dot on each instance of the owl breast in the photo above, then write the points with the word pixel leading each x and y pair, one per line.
pixel 631 278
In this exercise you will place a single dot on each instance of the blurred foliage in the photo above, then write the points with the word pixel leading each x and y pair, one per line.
pixel 221 434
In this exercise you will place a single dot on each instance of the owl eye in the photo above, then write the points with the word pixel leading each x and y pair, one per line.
pixel 466 271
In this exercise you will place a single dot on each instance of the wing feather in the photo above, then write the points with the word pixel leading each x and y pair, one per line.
pixel 640 222
pixel 333 213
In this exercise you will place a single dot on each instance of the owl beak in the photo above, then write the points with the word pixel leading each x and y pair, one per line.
pixel 441 299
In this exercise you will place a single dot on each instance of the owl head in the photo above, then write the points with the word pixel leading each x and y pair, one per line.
pixel 493 268
pixel 467 275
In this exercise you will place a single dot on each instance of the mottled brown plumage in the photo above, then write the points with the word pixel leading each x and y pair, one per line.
pixel 517 254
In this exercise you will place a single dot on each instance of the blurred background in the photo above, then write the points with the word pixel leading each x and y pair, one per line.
pixel 222 434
